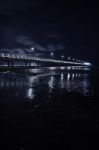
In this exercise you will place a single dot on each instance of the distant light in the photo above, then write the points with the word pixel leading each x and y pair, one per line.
pixel 73 59
pixel 32 48
pixel 68 58
pixel 62 68
pixel 62 56
pixel 52 53
pixel 68 68
pixel 52 68
pixel 87 63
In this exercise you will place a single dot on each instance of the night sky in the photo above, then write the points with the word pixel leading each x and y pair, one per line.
pixel 67 28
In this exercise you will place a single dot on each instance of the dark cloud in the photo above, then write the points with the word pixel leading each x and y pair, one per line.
pixel 55 47
pixel 53 36
pixel 28 42
pixel 24 40
pixel 11 7
pixel 50 26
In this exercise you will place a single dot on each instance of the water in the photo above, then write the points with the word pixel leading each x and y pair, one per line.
pixel 50 109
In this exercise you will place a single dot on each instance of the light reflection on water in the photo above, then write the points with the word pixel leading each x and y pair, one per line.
pixel 29 86
pixel 50 104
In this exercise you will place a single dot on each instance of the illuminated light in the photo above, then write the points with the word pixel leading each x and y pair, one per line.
pixel 68 58
pixel 52 53
pixel 32 48
pixel 62 84
pixel 87 64
pixel 52 60
pixel 73 59
pixel 68 67
pixel 52 68
pixel 62 56
pixel 73 75
pixel 62 68
pixel 68 76
pixel 51 82
pixel 30 93
pixel 62 76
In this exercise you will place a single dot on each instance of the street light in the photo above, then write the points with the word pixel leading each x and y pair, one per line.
pixel 32 48
pixel 62 56
pixel 68 58
pixel 51 53
pixel 73 59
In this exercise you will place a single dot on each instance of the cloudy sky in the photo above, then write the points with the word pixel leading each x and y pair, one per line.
pixel 70 28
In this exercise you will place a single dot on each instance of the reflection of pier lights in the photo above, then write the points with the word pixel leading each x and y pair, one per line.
pixel 30 93
pixel 51 83
pixel 62 76
pixel 68 76
pixel 73 75
pixel 62 84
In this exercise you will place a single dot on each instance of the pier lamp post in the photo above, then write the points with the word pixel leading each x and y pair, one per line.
pixel 69 58
pixel 32 49
pixel 73 59
pixel 52 54
pixel 62 57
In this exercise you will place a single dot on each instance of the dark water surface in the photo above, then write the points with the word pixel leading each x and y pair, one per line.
pixel 55 109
